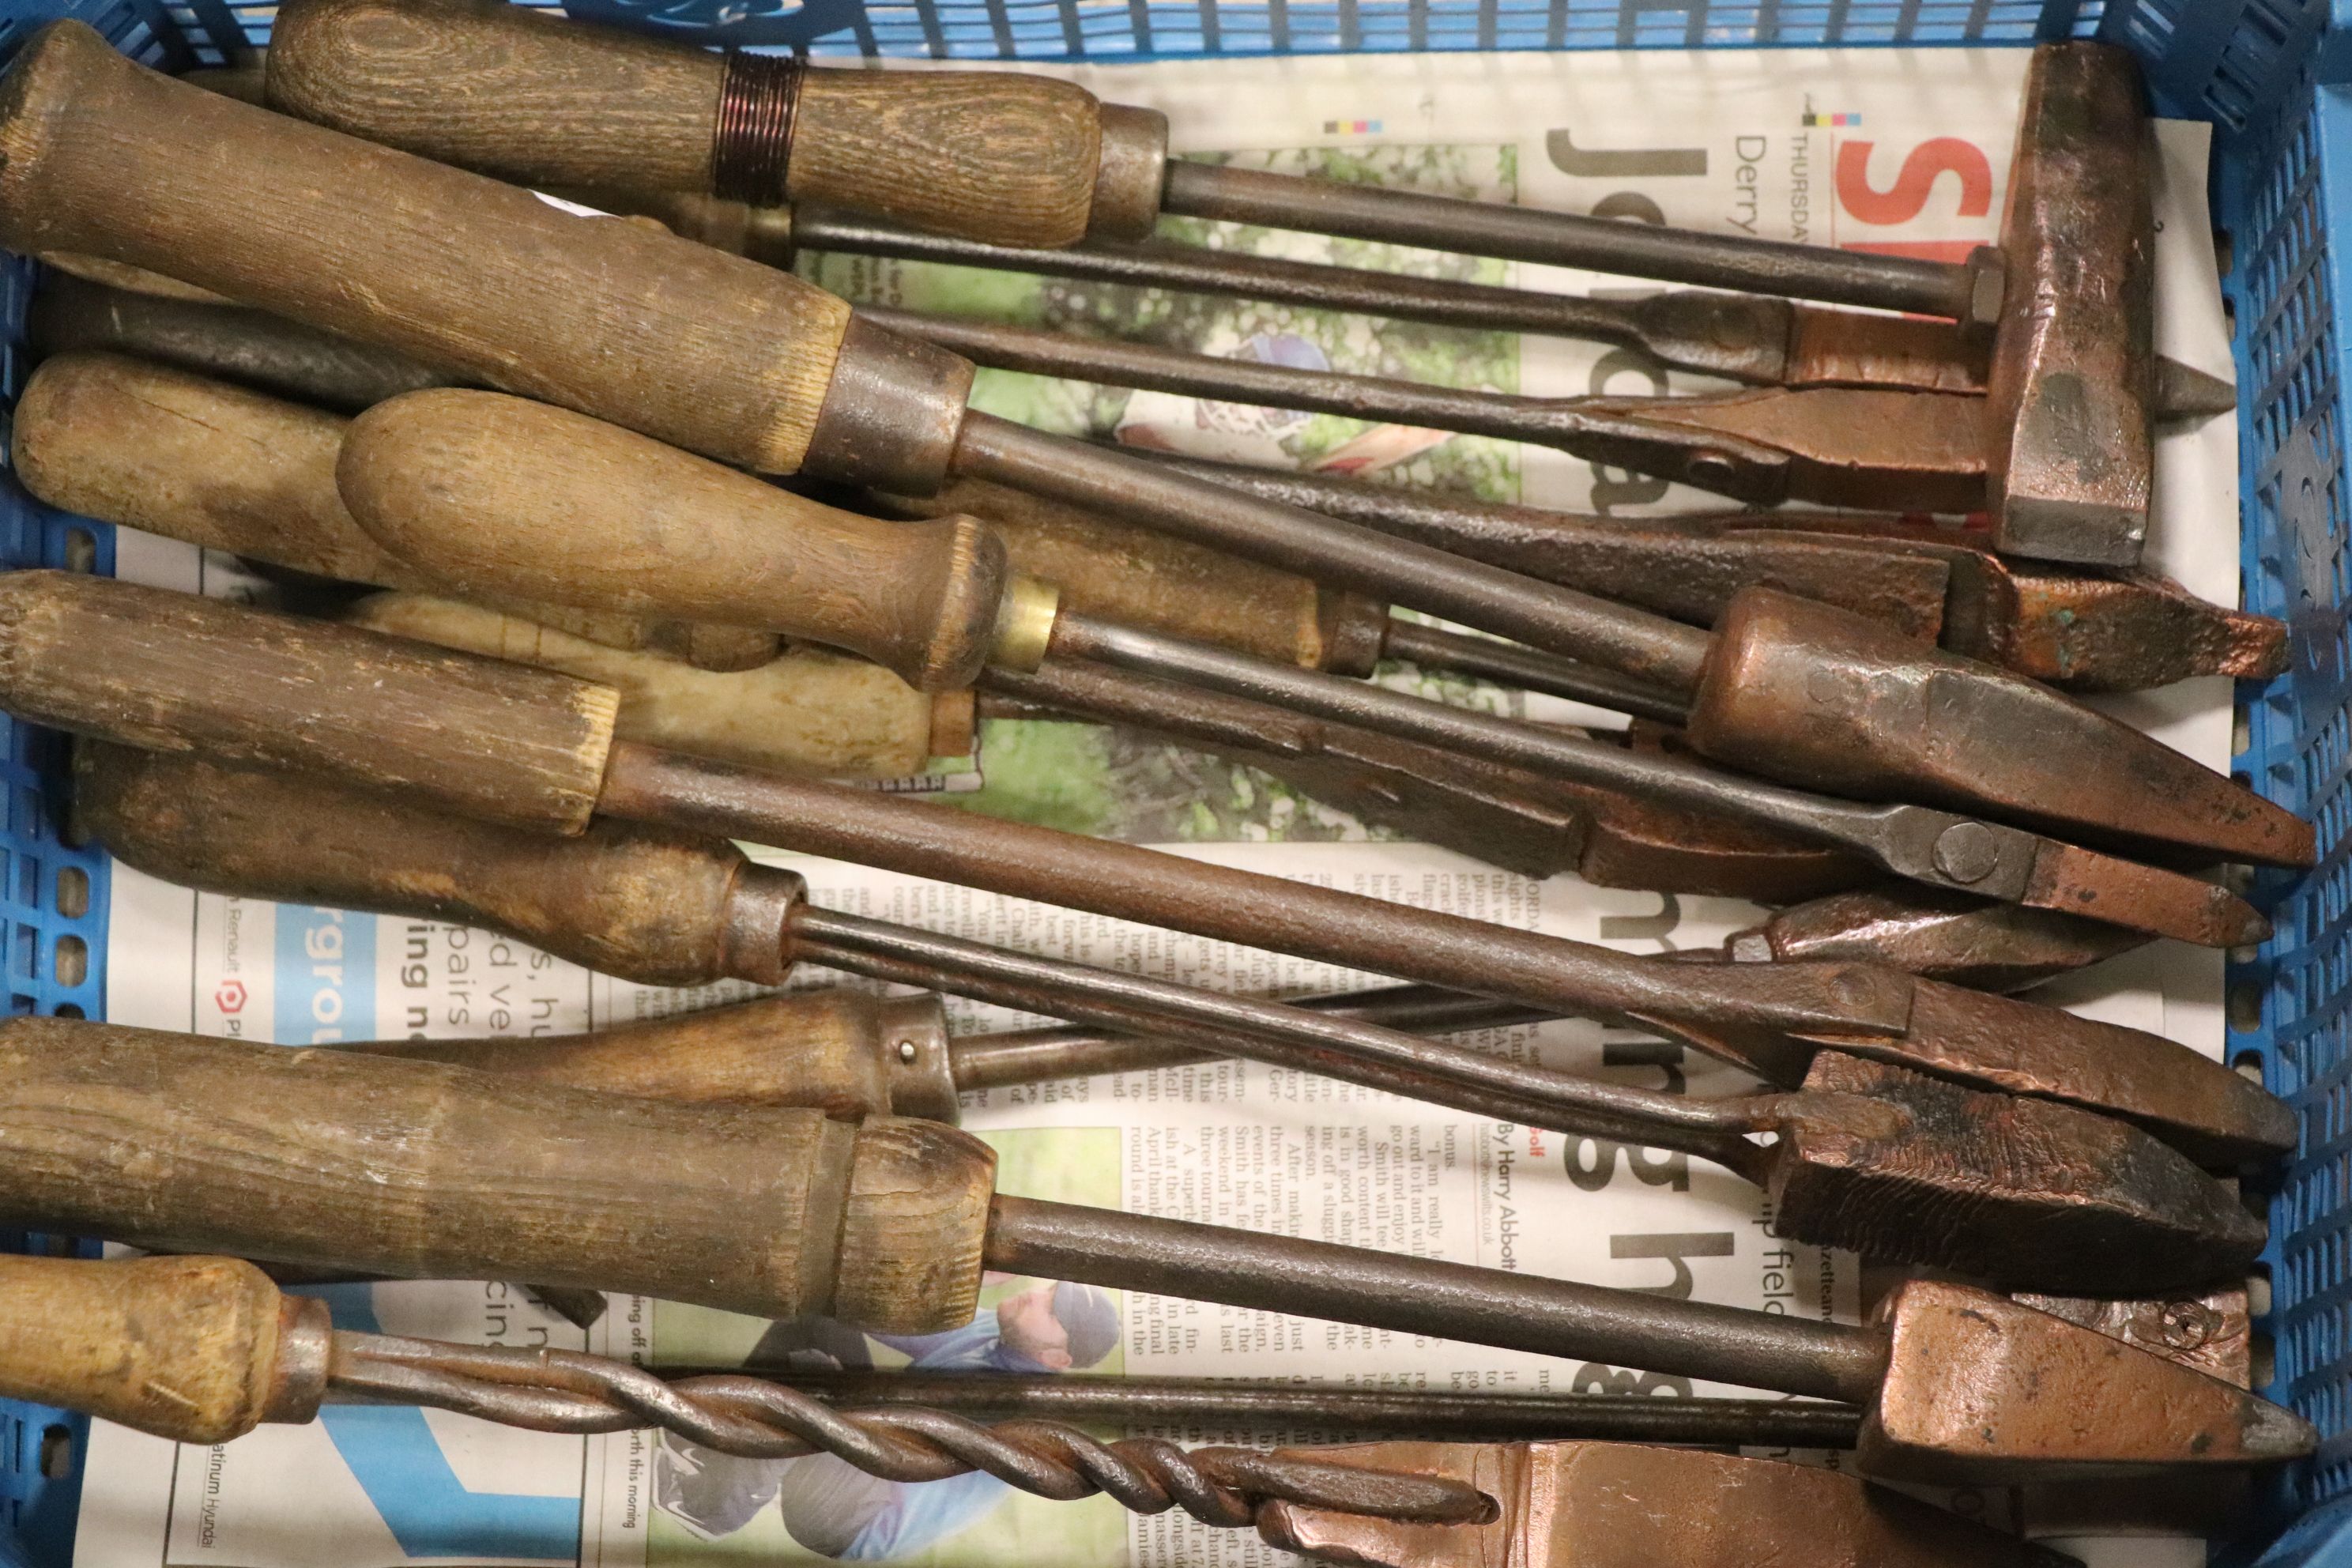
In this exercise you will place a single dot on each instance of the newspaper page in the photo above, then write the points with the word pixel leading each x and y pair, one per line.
pixel 1882 149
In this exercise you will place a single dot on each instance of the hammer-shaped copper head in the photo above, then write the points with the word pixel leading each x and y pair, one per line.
pixel 1893 1164
pixel 1831 700
pixel 2073 371
pixel 1622 1505
pixel 1981 1389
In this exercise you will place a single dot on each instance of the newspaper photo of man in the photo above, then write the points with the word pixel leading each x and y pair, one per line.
pixel 836 1510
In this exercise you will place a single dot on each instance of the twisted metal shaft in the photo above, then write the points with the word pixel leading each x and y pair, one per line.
pixel 567 1391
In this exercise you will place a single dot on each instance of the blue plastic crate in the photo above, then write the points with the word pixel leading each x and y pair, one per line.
pixel 2267 72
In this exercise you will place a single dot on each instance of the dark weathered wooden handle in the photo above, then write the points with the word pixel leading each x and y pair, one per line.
pixel 496 494
pixel 706 351
pixel 535 98
pixel 849 1053
pixel 423 1171
pixel 810 712
pixel 194 459
pixel 173 672
pixel 185 1347
pixel 637 902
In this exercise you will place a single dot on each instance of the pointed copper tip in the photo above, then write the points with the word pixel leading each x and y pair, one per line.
pixel 2080 881
pixel 2183 392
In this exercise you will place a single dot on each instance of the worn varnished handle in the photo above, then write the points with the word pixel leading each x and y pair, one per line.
pixel 706 351
pixel 173 672
pixel 420 1170
pixel 849 1053
pixel 810 712
pixel 185 1348
pixel 637 902
pixel 496 494
pixel 196 459
pixel 536 97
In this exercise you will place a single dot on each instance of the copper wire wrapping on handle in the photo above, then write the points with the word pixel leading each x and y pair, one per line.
pixel 751 148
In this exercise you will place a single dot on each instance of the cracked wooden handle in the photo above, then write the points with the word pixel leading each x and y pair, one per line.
pixel 499 495
pixel 539 98
pixel 849 1053
pixel 637 902
pixel 422 1171
pixel 198 460
pixel 704 349
pixel 185 1348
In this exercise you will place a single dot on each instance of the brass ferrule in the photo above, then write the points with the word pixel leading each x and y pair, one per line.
pixel 1128 180
pixel 1024 624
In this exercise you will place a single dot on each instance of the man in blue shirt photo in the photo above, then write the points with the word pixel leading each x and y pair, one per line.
pixel 839 1511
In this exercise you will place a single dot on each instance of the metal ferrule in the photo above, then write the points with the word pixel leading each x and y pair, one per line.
pixel 1128 180
pixel 298 1380
pixel 914 1036
pixel 1025 618
pixel 891 414
pixel 758 934
pixel 752 141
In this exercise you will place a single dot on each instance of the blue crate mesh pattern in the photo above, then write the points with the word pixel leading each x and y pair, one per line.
pixel 2284 171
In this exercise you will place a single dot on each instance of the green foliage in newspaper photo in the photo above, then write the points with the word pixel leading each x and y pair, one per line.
pixel 1111 783
pixel 714 1511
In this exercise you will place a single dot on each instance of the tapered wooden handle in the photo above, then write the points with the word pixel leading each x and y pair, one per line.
pixel 849 1053
pixel 171 672
pixel 637 902
pixel 536 97
pixel 814 712
pixel 423 1170
pixel 182 1347
pixel 495 494
pixel 196 458
pixel 706 351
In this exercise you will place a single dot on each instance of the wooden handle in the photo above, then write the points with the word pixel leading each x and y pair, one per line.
pixel 499 495
pixel 996 156
pixel 1140 578
pixel 185 1348
pixel 544 100
pixel 196 458
pixel 834 1051
pixel 623 320
pixel 171 672
pixel 637 902
pixel 423 1170
pixel 812 712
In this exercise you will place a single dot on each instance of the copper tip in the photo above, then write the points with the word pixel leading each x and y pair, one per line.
pixel 2081 881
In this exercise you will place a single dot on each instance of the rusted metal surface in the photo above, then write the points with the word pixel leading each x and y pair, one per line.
pixel 1920 843
pixel 1592 1505
pixel 569 1391
pixel 1508 664
pixel 1265 1405
pixel 1913 287
pixel 1946 936
pixel 1446 1300
pixel 1980 1388
pixel 1829 700
pixel 1832 445
pixel 2071 396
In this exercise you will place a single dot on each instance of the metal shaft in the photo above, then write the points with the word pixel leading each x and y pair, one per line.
pixel 1011 1056
pixel 1508 664
pixel 1742 336
pixel 1838 447
pixel 1444 1300
pixel 1323 1042
pixel 566 1390
pixel 1126 882
pixel 1557 620
pixel 1561 239
pixel 1248 1405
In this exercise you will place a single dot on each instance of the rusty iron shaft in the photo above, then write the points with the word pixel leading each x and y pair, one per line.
pixel 1563 239
pixel 566 1390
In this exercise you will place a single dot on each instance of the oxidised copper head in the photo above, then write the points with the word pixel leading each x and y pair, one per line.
pixel 1834 701
pixel 1622 1505
pixel 1893 1164
pixel 1980 1390
pixel 1942 935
